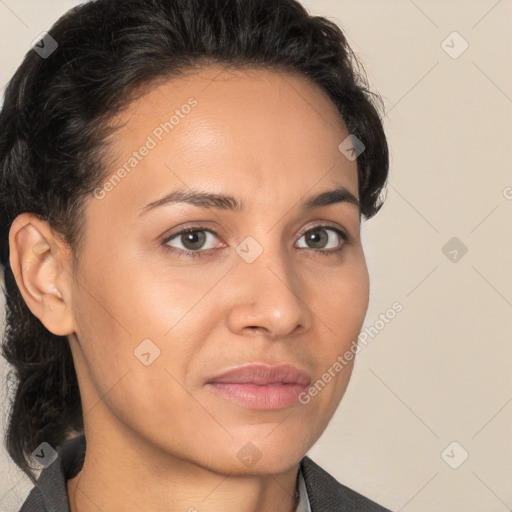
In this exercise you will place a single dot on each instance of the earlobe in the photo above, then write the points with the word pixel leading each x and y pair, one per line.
pixel 36 260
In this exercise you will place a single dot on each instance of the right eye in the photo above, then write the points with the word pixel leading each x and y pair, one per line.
pixel 192 240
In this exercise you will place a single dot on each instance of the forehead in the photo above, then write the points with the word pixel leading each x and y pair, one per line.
pixel 240 129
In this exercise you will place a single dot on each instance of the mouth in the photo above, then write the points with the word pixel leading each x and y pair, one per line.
pixel 260 386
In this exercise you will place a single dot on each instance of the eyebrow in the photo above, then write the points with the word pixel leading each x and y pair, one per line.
pixel 230 203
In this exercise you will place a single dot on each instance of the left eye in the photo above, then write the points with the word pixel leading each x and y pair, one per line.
pixel 319 236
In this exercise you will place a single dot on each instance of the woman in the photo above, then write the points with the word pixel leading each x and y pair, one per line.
pixel 183 183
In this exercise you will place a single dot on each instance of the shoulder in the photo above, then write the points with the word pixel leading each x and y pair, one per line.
pixel 34 502
pixel 50 492
pixel 326 494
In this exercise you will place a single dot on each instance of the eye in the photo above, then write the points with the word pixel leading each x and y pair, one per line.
pixel 324 237
pixel 192 240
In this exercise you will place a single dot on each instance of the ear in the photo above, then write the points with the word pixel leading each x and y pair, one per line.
pixel 41 265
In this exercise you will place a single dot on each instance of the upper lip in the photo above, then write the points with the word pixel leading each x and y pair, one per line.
pixel 263 374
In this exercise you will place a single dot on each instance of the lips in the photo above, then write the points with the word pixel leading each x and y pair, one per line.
pixel 260 374
pixel 259 386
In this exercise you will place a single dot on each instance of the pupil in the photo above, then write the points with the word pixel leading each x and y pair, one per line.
pixel 319 234
pixel 193 239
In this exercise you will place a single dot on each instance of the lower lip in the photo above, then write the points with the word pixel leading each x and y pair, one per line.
pixel 271 396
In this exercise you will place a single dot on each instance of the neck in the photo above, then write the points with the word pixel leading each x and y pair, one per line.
pixel 164 483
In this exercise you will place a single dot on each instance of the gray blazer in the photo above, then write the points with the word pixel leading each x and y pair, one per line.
pixel 50 494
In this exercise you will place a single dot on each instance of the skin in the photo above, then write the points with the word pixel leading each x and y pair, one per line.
pixel 157 438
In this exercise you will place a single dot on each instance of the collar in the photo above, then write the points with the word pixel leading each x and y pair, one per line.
pixel 304 505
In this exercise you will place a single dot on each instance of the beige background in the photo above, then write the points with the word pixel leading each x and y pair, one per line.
pixel 440 370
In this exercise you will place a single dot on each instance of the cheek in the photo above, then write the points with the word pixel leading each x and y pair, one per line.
pixel 345 300
pixel 106 308
pixel 123 323
pixel 125 364
pixel 342 309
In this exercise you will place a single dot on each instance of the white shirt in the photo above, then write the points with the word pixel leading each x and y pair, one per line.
pixel 303 505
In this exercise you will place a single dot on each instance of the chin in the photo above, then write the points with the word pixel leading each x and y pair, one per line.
pixel 261 455
pixel 268 454
pixel 264 466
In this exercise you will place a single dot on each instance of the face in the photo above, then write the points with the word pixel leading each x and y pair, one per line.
pixel 159 314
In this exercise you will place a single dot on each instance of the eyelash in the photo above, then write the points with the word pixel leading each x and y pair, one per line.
pixel 198 254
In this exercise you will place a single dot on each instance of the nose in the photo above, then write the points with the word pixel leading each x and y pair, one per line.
pixel 268 298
